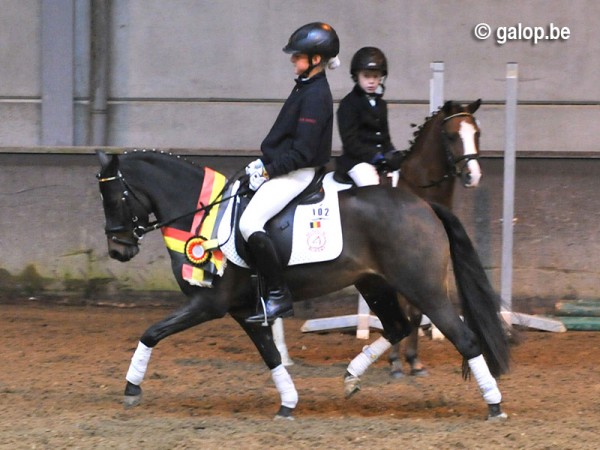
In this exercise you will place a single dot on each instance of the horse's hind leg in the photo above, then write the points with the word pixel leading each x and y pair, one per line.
pixel 382 300
pixel 465 341
pixel 262 337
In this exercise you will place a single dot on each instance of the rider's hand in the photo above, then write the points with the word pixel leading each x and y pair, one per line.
pixel 256 180
pixel 255 166
pixel 393 159
pixel 377 159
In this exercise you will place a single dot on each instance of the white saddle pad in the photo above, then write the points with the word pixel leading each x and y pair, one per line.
pixel 317 233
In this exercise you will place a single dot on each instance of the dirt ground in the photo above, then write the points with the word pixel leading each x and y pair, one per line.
pixel 63 368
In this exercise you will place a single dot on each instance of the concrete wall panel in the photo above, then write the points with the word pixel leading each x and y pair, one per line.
pixel 20 48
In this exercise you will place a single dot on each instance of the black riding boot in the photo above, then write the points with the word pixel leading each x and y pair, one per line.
pixel 278 300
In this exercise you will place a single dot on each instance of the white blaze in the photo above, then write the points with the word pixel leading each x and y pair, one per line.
pixel 467 134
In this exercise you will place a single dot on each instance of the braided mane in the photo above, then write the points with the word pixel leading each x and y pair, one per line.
pixel 418 133
pixel 159 152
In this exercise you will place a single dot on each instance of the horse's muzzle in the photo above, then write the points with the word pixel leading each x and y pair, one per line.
pixel 121 250
pixel 472 175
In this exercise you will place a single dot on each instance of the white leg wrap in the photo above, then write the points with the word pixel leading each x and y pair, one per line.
pixel 369 354
pixel 139 364
pixel 285 386
pixel 485 380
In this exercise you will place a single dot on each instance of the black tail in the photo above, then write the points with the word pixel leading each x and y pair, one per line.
pixel 480 303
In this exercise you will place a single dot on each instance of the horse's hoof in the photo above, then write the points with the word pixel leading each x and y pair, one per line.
pixel 129 401
pixel 495 413
pixel 284 413
pixel 351 385
pixel 422 372
pixel 498 417
pixel 396 371
pixel 397 374
pixel 132 396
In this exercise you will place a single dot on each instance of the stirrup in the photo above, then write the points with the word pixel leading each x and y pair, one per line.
pixel 263 317
pixel 256 318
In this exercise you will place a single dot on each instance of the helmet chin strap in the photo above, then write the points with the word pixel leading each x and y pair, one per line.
pixel 333 63
pixel 311 66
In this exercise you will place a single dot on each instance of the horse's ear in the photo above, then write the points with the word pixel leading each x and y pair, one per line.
pixel 447 108
pixel 474 106
pixel 105 160
pixel 103 157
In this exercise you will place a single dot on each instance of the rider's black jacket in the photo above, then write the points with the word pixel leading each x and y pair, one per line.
pixel 301 135
pixel 363 129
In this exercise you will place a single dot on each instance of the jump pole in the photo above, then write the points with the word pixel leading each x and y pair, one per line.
pixel 279 339
pixel 540 323
pixel 363 320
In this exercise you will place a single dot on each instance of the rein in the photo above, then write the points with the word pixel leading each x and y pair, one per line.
pixel 139 231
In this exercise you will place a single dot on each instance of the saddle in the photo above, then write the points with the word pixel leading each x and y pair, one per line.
pixel 307 230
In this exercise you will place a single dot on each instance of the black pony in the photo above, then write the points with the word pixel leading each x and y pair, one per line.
pixel 393 242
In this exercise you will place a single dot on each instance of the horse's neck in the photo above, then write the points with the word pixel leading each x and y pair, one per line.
pixel 427 164
pixel 171 186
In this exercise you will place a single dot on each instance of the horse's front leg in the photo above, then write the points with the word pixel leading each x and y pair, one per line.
pixel 198 310
pixel 411 346
pixel 262 337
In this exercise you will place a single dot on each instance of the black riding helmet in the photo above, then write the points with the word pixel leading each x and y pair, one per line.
pixel 368 58
pixel 316 38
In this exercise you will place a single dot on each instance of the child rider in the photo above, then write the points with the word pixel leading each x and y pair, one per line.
pixel 298 143
pixel 363 122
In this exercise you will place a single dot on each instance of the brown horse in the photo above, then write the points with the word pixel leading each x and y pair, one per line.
pixel 445 147
pixel 393 242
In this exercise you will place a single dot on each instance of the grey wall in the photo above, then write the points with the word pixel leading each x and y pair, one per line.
pixel 211 74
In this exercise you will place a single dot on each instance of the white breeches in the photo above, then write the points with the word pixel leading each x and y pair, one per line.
pixel 364 174
pixel 272 197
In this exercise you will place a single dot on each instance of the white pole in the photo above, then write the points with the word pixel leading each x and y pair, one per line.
pixel 436 101
pixel 541 323
pixel 512 81
pixel 279 339
pixel 436 86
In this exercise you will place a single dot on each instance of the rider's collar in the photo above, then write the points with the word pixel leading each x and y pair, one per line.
pixel 311 79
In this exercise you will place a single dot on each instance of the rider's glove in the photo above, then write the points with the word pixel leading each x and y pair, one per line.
pixel 256 180
pixel 393 159
pixel 255 166
pixel 377 159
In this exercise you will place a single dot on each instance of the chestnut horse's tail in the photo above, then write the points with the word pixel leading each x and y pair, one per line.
pixel 480 303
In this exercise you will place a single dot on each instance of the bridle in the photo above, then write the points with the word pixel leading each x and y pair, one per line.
pixel 127 196
pixel 454 167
